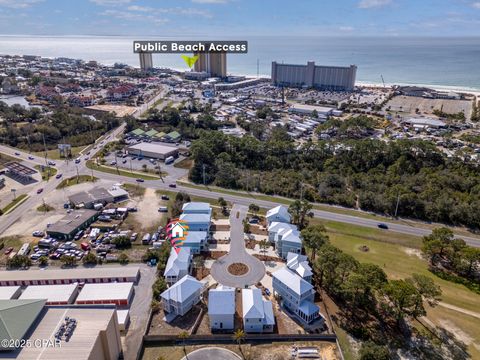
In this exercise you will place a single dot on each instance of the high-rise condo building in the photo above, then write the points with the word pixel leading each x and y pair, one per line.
pixel 146 61
pixel 311 75
pixel 214 63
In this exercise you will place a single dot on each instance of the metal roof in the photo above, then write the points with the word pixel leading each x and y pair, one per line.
pixel 106 291
pixel 221 301
pixel 153 147
pixel 195 218
pixel 280 211
pixel 294 282
pixel 177 263
pixel 196 206
pixel 17 316
pixel 98 272
pixel 7 292
pixel 52 293
pixel 182 289
pixel 70 222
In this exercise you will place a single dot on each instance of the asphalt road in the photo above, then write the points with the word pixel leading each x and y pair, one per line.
pixel 237 254
pixel 70 169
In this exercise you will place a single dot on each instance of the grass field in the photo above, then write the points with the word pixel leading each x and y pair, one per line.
pixel 47 172
pixel 112 170
pixel 399 257
pixel 55 154
pixel 76 180
pixel 19 199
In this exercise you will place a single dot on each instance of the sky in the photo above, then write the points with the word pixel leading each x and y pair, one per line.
pixel 233 18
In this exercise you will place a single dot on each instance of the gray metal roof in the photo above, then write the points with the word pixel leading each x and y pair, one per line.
pixel 72 221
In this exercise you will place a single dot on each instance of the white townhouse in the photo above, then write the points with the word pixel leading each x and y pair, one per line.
pixel 296 294
pixel 221 308
pixel 179 298
pixel 257 312
pixel 276 226
pixel 299 264
pixel 279 214
pixel 287 241
pixel 178 265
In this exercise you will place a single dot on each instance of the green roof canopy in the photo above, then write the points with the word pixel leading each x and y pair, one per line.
pixel 137 132
pixel 16 317
pixel 174 135
pixel 151 132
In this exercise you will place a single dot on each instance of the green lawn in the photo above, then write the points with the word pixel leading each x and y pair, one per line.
pixel 55 154
pixel 74 180
pixel 47 172
pixel 19 199
pixel 400 257
pixel 111 170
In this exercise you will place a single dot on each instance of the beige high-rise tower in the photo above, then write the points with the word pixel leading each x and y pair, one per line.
pixel 214 63
pixel 146 61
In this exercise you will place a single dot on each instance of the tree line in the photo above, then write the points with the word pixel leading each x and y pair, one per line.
pixel 407 178
pixel 451 258
pixel 376 309
pixel 26 129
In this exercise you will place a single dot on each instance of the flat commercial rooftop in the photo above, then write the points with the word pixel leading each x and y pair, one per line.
pixel 153 147
pixel 9 292
pixel 110 291
pixel 84 339
pixel 99 272
pixel 52 293
pixel 71 221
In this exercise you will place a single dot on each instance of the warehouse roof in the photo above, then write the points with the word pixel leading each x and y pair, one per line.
pixel 16 317
pixel 92 195
pixel 106 291
pixel 72 221
pixel 7 292
pixel 90 323
pixel 52 293
pixel 311 108
pixel 153 147
pixel 77 273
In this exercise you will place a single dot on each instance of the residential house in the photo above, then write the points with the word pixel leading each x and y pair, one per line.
pixel 257 312
pixel 296 294
pixel 221 308
pixel 196 222
pixel 286 241
pixel 196 241
pixel 299 264
pixel 196 208
pixel 276 226
pixel 279 214
pixel 179 298
pixel 178 265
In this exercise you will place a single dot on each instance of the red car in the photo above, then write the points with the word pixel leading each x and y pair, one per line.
pixel 8 251
pixel 39 191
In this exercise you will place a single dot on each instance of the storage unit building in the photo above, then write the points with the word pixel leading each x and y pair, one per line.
pixel 119 294
pixel 54 294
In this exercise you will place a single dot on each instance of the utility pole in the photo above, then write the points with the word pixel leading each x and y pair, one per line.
pixel 46 162
pixel 116 163
pixel 78 176
pixel 44 206
pixel 398 202
pixel 131 168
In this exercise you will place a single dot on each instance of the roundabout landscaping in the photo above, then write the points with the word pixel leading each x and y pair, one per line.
pixel 238 269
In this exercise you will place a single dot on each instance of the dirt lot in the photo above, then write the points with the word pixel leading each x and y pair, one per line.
pixel 147 218
pixel 273 351
pixel 408 104
pixel 180 324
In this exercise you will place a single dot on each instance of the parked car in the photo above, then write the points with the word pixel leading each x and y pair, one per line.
pixel 39 191
pixel 163 209
pixel 31 158
pixel 165 197
pixel 58 176
pixel 133 237
pixel 52 163
pixel 38 233
pixel 267 292
pixel 113 163
pixel 132 209
pixel 172 185
pixel 17 153
pixel 383 226
pixel 8 250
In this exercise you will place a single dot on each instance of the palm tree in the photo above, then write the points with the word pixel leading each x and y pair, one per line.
pixel 264 244
pixel 239 336
pixel 184 336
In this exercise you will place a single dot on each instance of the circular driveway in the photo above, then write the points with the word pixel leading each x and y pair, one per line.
pixel 212 353
pixel 237 254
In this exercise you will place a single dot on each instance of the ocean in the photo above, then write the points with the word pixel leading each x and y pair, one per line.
pixel 450 63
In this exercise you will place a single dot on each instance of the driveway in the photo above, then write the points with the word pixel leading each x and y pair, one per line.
pixel 237 254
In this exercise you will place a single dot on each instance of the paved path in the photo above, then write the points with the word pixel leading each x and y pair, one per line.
pixel 459 309
pixel 237 254
pixel 212 353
